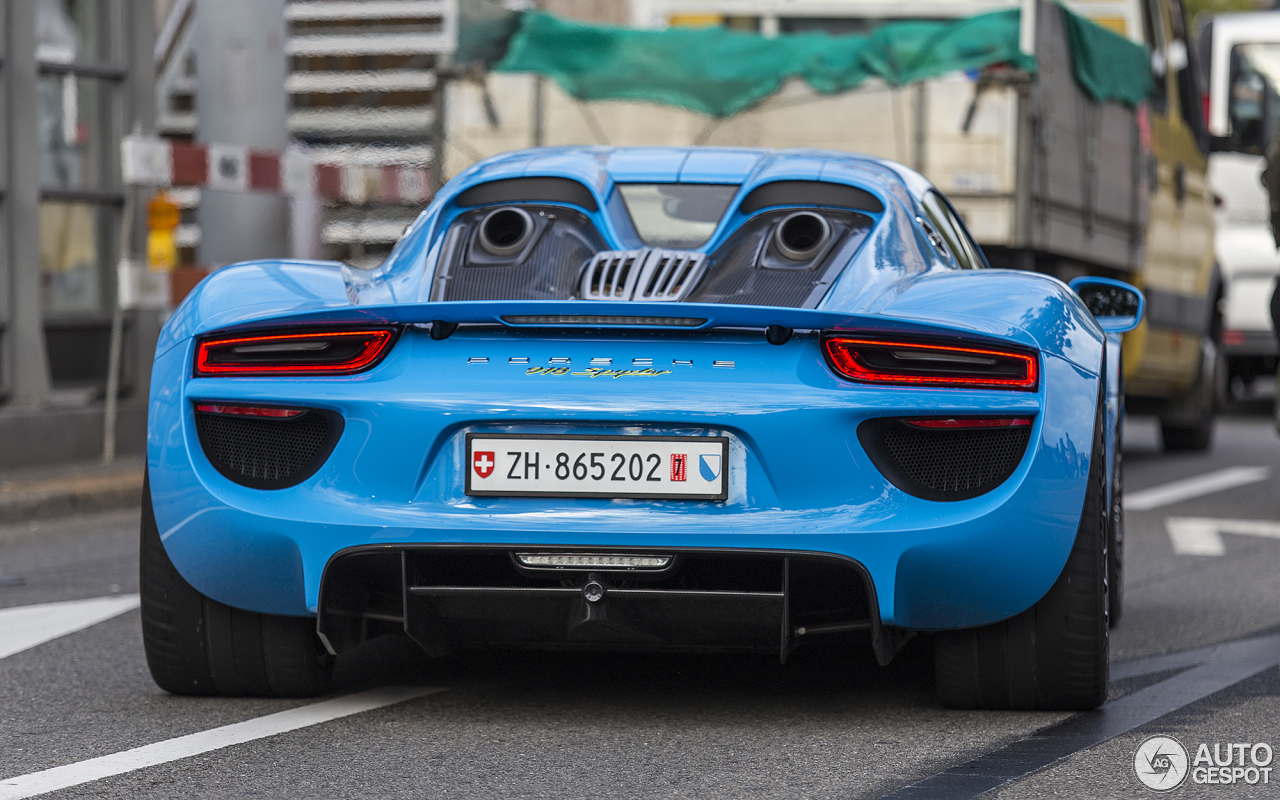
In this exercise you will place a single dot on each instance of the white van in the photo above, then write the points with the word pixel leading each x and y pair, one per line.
pixel 1242 55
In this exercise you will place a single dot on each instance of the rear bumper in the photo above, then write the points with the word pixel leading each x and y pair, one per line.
pixel 449 597
pixel 1248 343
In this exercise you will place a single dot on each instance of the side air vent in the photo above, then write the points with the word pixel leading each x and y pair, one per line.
pixel 669 274
pixel 946 459
pixel 266 451
pixel 612 275
pixel 645 274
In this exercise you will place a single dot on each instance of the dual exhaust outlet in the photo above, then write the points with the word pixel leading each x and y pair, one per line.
pixel 798 237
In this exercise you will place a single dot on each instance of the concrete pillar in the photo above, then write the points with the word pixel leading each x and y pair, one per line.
pixel 240 67
pixel 140 110
pixel 24 362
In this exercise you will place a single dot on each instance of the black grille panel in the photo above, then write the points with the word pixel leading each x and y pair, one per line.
pixel 745 270
pixel 267 453
pixel 943 464
pixel 549 269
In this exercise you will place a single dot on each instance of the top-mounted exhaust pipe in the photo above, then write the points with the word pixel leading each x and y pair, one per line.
pixel 505 231
pixel 801 235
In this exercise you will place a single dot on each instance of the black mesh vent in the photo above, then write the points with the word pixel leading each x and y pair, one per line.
pixel 265 453
pixel 547 270
pixel 943 464
pixel 745 270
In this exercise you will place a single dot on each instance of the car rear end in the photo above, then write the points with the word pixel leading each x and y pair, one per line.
pixel 680 480
pixel 660 399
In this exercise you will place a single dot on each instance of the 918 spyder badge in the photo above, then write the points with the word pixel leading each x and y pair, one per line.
pixel 598 372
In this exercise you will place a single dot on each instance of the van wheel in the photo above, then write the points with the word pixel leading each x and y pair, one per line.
pixel 1188 423
pixel 198 646
pixel 1054 655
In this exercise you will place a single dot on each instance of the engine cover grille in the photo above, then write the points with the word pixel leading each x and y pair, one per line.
pixel 648 274
pixel 612 275
pixel 943 464
pixel 267 453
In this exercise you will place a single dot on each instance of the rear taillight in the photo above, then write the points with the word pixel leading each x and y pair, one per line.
pixel 917 364
pixel 969 423
pixel 315 353
pixel 269 412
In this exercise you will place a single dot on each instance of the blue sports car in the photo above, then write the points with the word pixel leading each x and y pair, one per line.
pixel 644 399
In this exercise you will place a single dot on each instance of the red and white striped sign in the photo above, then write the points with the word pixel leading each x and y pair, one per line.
pixel 147 161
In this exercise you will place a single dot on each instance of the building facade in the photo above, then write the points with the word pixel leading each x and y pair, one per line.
pixel 75 76
pixel 360 87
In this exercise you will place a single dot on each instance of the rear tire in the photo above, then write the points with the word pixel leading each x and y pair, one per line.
pixel 1055 655
pixel 1188 425
pixel 198 646
pixel 1115 529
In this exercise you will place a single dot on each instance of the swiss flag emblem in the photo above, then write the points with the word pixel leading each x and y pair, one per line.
pixel 483 462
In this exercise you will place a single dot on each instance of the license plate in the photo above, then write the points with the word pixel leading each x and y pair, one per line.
pixel 530 465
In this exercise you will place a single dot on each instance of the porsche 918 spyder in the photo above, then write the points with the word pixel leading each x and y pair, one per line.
pixel 643 399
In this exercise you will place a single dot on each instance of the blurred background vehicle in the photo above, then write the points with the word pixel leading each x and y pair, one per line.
pixel 1048 173
pixel 1241 54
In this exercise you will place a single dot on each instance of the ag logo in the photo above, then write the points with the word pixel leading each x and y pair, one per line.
pixel 484 462
pixel 1161 763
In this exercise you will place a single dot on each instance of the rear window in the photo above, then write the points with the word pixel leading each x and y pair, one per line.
pixel 678 216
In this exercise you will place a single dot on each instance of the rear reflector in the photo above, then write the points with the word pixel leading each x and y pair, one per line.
pixel 589 561
pixel 916 364
pixel 250 411
pixel 958 423
pixel 315 353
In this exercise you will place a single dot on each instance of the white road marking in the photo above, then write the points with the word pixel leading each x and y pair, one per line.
pixel 1202 536
pixel 24 627
pixel 1192 536
pixel 1198 486
pixel 1212 670
pixel 51 780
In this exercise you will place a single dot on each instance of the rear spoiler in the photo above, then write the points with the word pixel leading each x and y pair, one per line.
pixel 446 317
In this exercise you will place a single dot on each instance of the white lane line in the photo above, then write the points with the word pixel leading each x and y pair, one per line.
pixel 51 780
pixel 24 627
pixel 1202 536
pixel 1198 486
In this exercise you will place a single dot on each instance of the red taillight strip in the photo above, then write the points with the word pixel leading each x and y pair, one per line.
pixel 374 349
pixel 970 422
pixel 846 362
pixel 250 411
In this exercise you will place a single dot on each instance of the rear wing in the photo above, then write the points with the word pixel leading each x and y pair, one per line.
pixel 443 319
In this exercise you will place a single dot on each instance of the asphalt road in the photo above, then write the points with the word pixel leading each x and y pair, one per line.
pixel 1194 658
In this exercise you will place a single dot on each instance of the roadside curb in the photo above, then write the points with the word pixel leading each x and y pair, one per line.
pixel 78 490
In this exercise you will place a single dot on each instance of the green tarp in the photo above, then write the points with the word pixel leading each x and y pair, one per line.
pixel 1107 65
pixel 720 72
